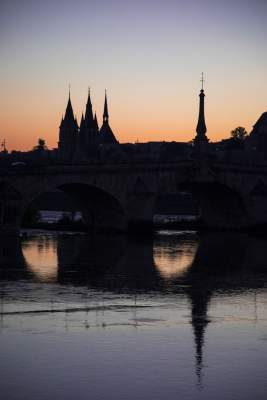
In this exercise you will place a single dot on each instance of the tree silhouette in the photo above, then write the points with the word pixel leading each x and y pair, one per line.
pixel 239 133
pixel 41 145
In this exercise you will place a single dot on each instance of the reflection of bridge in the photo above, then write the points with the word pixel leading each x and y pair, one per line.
pixel 123 195
pixel 134 267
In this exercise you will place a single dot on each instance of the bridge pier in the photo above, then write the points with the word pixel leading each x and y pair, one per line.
pixel 231 215
pixel 140 226
pixel 104 220
pixel 9 230
pixel 140 211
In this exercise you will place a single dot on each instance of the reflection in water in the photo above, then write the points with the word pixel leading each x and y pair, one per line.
pixel 40 254
pixel 199 310
pixel 105 273
pixel 173 259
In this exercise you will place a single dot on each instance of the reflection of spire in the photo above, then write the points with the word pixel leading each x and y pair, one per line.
pixel 199 301
pixel 255 308
pixel 2 312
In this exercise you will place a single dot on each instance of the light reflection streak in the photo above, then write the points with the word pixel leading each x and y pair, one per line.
pixel 173 262
pixel 41 258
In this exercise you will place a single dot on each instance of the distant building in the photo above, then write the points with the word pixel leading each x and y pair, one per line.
pixel 77 143
pixel 257 139
pixel 87 143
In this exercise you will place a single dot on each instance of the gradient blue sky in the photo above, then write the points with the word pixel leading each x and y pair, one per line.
pixel 148 54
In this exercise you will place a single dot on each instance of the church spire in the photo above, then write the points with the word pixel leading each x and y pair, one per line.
pixel 105 114
pixel 201 125
pixel 106 136
pixel 96 123
pixel 69 115
pixel 68 132
pixel 89 112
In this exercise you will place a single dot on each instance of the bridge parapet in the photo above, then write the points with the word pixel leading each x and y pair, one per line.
pixel 133 187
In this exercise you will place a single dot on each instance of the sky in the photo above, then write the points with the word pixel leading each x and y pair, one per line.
pixel 148 54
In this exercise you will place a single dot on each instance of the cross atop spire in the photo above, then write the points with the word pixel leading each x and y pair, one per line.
pixel 201 125
pixel 202 80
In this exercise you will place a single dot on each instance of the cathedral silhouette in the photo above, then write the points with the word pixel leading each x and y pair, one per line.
pixel 78 142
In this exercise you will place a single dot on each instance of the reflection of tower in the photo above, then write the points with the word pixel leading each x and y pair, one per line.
pixel 1 310
pixel 201 140
pixel 180 259
pixel 199 298
pixel 217 256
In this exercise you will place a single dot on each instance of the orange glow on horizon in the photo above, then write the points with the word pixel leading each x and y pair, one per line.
pixel 148 55
pixel 22 123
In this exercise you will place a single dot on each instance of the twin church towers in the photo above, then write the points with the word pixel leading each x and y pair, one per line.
pixel 78 142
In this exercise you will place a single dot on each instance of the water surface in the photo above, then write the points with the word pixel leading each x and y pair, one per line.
pixel 182 316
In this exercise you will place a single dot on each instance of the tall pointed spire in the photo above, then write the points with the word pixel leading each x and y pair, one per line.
pixel 89 111
pixel 82 120
pixel 201 125
pixel 106 136
pixel 69 115
pixel 62 122
pixel 68 132
pixel 96 123
pixel 105 114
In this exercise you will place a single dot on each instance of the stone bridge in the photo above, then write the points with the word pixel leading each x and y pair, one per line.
pixel 122 196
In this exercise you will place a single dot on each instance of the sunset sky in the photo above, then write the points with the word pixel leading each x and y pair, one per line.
pixel 149 54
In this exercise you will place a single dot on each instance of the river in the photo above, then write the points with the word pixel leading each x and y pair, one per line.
pixel 179 316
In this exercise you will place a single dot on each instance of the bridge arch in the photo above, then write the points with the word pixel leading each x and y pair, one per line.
pixel 220 205
pixel 101 209
pixel 10 201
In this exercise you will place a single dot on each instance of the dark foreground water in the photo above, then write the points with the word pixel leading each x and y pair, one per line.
pixel 178 317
